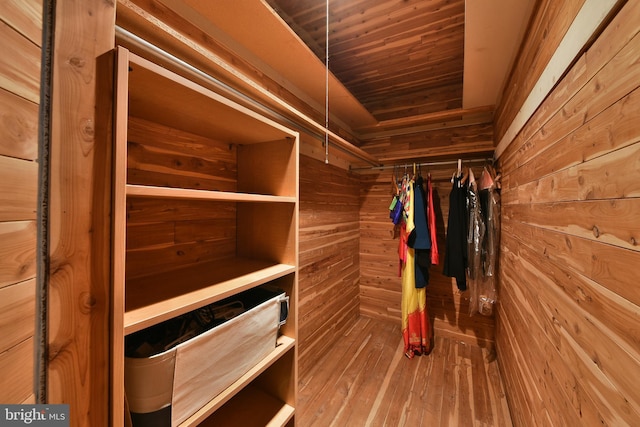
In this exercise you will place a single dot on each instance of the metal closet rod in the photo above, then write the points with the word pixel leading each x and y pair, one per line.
pixel 155 50
pixel 440 163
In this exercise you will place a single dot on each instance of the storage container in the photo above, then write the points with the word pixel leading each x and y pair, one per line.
pixel 167 387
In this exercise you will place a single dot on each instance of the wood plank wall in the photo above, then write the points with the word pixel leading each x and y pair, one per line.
pixel 474 140
pixel 328 259
pixel 567 333
pixel 380 285
pixel 543 36
pixel 163 235
pixel 21 40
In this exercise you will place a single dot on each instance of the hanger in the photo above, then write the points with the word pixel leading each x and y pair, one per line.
pixel 486 181
pixel 472 178
pixel 464 176
pixel 458 172
pixel 394 182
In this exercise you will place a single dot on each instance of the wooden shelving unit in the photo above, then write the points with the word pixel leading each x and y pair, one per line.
pixel 205 206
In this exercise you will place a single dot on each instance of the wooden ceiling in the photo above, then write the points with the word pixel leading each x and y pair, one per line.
pixel 399 58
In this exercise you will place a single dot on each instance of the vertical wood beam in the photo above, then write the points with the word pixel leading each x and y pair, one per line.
pixel 78 305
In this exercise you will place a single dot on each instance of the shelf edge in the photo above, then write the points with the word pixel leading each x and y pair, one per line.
pixel 143 317
pixel 186 193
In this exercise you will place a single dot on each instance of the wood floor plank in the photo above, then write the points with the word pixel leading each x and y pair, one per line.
pixel 372 379
pixel 416 407
pixel 318 386
pixel 483 411
pixel 365 380
pixel 398 396
pixel 436 382
pixel 448 411
pixel 501 416
pixel 380 408
pixel 466 414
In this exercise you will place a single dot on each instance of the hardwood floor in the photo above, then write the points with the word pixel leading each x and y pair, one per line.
pixel 366 381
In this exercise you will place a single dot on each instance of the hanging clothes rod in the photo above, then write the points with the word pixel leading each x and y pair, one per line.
pixel 440 163
pixel 148 47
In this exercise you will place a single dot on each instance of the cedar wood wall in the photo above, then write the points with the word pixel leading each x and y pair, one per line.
pixel 329 265
pixel 20 37
pixel 566 340
pixel 567 331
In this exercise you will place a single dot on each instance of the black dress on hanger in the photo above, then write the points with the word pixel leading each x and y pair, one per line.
pixel 455 256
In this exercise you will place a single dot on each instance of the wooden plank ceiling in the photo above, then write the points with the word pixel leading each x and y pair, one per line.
pixel 417 66
pixel 399 58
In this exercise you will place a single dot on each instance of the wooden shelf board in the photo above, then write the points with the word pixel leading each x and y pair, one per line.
pixel 150 300
pixel 161 96
pixel 247 405
pixel 182 193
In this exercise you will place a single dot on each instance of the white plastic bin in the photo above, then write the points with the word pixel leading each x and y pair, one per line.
pixel 167 388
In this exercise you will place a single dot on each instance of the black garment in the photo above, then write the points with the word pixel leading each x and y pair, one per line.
pixel 455 256
pixel 423 263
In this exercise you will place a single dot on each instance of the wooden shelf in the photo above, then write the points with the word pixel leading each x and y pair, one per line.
pixel 233 406
pixel 161 96
pixel 183 193
pixel 152 299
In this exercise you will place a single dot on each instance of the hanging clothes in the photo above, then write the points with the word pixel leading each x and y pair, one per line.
pixel 483 208
pixel 404 198
pixel 431 216
pixel 395 208
pixel 490 209
pixel 416 330
pixel 420 238
pixel 476 233
pixel 455 256
pixel 490 202
pixel 475 239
